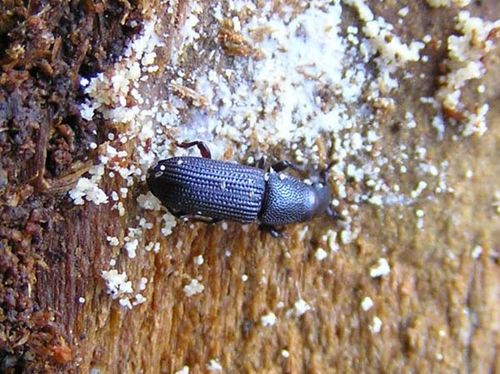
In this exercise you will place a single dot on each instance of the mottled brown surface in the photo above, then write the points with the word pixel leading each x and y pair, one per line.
pixel 44 49
pixel 52 252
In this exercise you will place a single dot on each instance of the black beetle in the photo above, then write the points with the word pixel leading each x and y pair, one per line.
pixel 210 190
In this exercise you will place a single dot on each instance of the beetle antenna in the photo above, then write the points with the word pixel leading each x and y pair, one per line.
pixel 324 173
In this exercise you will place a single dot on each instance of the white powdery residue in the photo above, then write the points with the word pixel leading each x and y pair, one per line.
pixel 302 233
pixel 476 121
pixel 403 12
pixel 476 252
pixel 376 325
pixel 301 307
pixel 429 169
pixel 366 303
pixel 117 284
pixel 320 254
pixel 376 200
pixel 184 370
pixel 169 224
pixel 108 94
pixel 269 319
pixel 465 63
pixel 199 260
pixel 214 366
pixel 448 3
pixel 87 110
pixel 331 239
pixel 193 288
pixel 143 223
pixel 149 247
pixel 125 302
pixel 302 57
pixel 420 218
pixel 357 173
pixel 141 285
pixel 87 189
pixel 134 234
pixel 392 50
pixel 120 208
pixel 410 120
pixel 496 202
pixel 381 269
pixel 438 124
pixel 139 299
pixel 422 185
pixel 189 33
pixel 149 202
pixel 145 43
pixel 346 236
pixel 299 90
pixel 131 248
pixel 113 241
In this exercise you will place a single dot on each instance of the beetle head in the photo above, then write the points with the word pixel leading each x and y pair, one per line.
pixel 323 194
pixel 323 197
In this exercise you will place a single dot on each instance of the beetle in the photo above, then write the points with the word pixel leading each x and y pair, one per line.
pixel 211 191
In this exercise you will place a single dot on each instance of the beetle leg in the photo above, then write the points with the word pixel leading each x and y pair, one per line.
pixel 275 233
pixel 179 215
pixel 261 163
pixel 196 218
pixel 192 217
pixel 214 220
pixel 203 148
pixel 333 213
pixel 285 164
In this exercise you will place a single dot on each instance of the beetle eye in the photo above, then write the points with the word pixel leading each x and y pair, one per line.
pixel 158 174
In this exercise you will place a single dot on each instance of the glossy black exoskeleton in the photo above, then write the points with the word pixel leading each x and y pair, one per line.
pixel 210 190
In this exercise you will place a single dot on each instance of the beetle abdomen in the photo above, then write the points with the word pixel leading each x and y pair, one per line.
pixel 209 188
